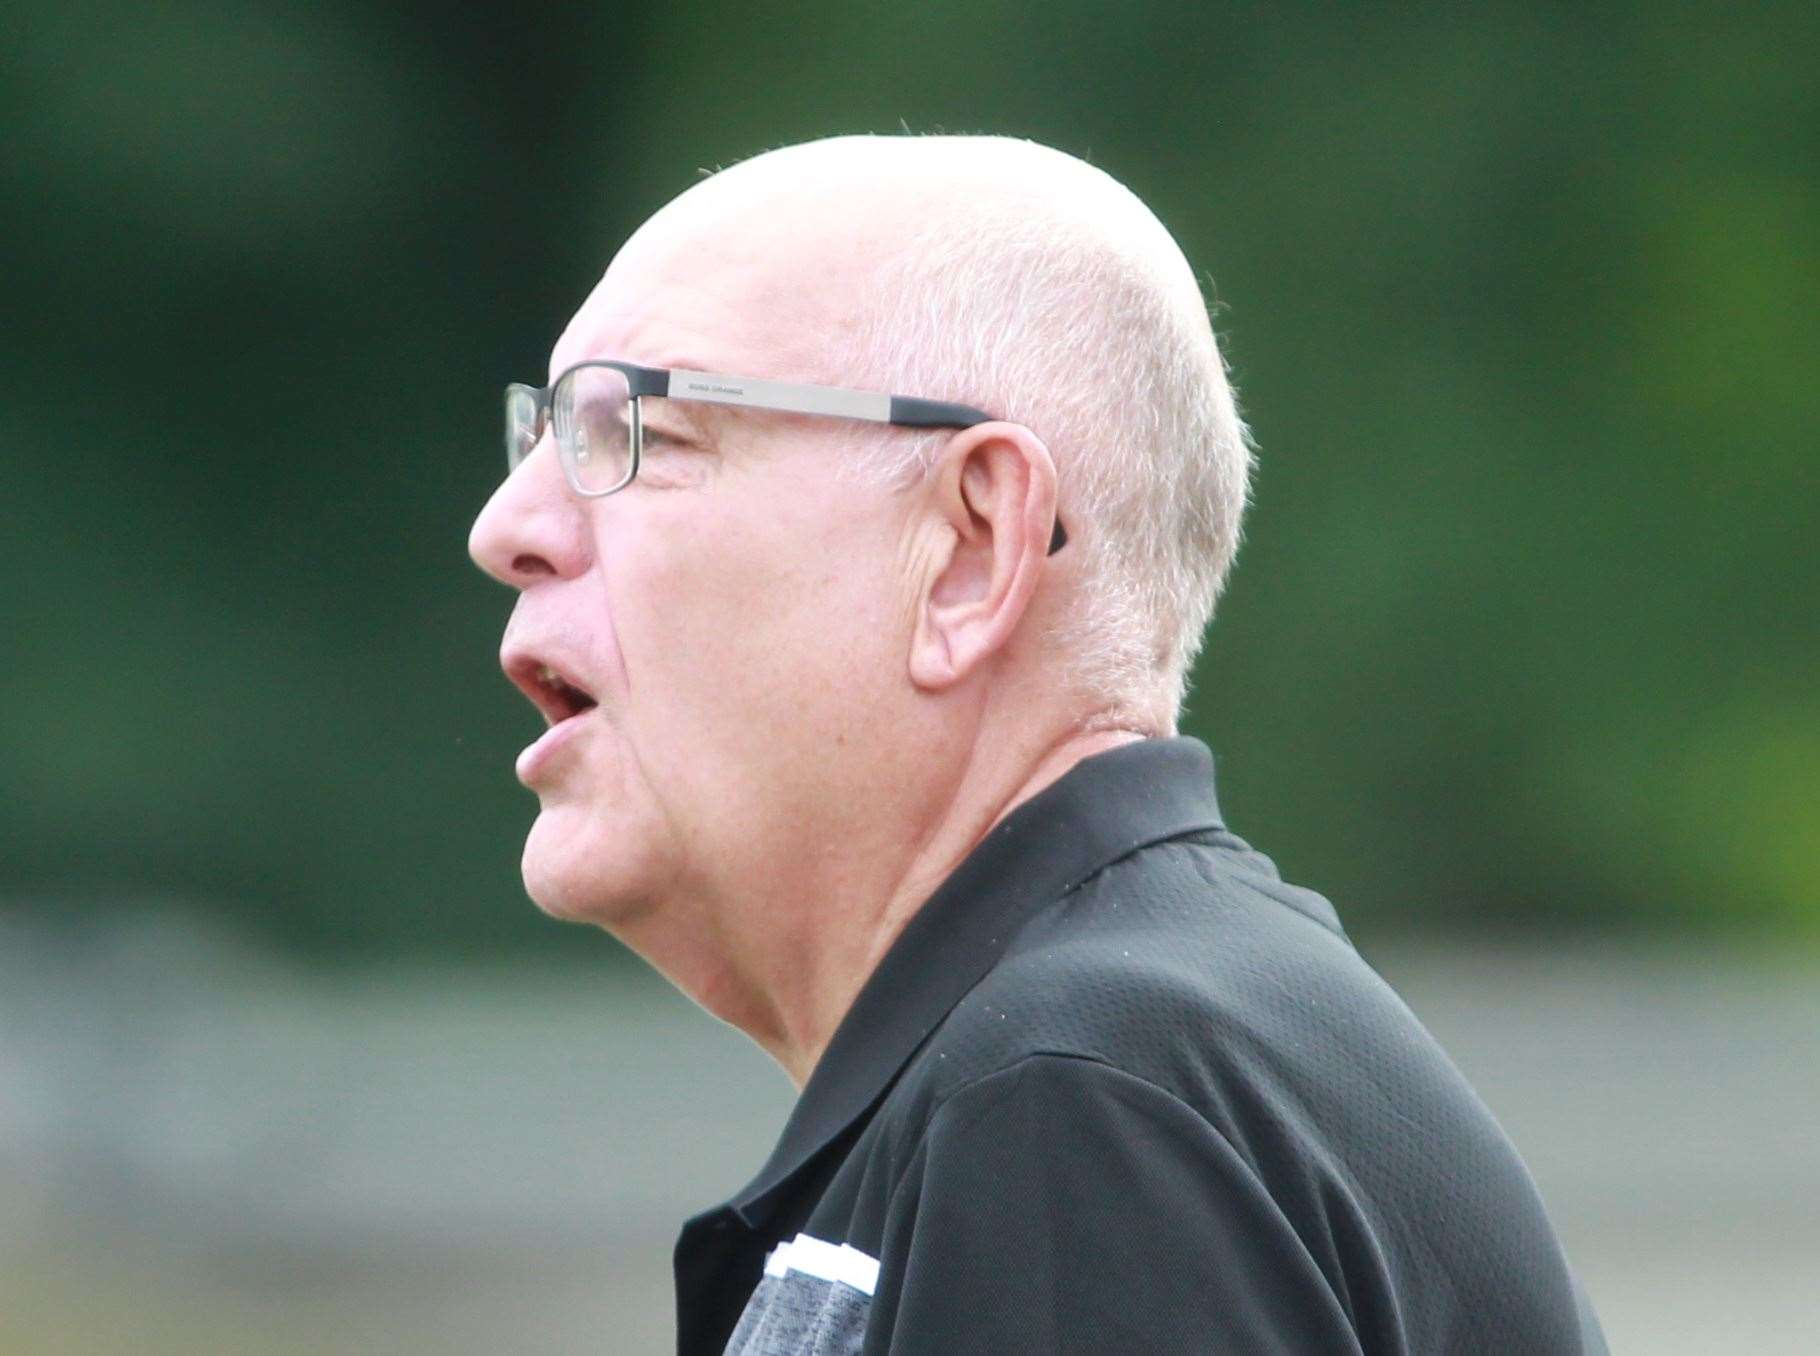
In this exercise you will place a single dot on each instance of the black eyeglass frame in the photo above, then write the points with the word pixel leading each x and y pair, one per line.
pixel 721 389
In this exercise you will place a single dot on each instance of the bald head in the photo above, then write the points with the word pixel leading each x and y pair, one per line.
pixel 831 214
pixel 1008 276
pixel 896 183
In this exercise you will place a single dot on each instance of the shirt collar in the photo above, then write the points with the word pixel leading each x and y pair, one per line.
pixel 1104 808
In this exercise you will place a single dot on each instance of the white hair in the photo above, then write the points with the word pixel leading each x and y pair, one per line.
pixel 1067 322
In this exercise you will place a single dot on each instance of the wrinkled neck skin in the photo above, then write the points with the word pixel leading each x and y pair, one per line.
pixel 785 951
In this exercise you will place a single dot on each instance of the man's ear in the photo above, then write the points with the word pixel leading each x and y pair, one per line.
pixel 990 507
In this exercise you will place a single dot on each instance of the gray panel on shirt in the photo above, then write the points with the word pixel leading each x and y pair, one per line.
pixel 801 1315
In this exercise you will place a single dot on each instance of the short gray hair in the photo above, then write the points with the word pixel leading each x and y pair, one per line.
pixel 1073 331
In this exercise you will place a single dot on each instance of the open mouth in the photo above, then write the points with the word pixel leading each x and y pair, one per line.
pixel 553 694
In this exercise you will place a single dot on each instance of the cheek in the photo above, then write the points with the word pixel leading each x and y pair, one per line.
pixel 734 634
pixel 783 617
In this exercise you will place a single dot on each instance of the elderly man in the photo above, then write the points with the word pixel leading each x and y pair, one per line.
pixel 863 539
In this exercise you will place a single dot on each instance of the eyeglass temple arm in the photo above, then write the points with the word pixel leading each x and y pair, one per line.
pixel 789 397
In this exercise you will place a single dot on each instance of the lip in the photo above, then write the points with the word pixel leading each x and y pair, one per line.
pixel 522 666
pixel 536 758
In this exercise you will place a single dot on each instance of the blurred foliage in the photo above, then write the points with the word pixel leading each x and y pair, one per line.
pixel 1520 299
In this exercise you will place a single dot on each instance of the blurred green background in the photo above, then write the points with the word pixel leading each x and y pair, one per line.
pixel 1518 665
pixel 1520 301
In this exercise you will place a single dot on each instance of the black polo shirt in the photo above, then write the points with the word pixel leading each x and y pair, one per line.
pixel 1120 1088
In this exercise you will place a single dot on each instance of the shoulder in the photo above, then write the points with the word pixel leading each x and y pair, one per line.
pixel 1192 968
pixel 1187 965
pixel 1184 1037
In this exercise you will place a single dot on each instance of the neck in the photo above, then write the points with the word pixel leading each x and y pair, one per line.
pixel 815 979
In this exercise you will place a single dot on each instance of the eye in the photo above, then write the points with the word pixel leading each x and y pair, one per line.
pixel 657 437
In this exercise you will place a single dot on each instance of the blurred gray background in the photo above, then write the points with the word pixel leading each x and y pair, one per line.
pixel 206 1148
pixel 1518 665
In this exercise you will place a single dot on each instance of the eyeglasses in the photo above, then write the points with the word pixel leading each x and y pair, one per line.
pixel 595 412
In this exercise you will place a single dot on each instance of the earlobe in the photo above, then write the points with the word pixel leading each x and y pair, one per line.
pixel 990 505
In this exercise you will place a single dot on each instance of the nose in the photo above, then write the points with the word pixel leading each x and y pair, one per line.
pixel 532 528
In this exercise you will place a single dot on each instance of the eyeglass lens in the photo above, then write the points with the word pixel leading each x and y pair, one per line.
pixel 523 427
pixel 591 419
pixel 591 409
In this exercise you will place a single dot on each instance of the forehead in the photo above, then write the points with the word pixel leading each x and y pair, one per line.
pixel 748 296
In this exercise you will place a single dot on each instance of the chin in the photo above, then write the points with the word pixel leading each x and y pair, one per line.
pixel 577 876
